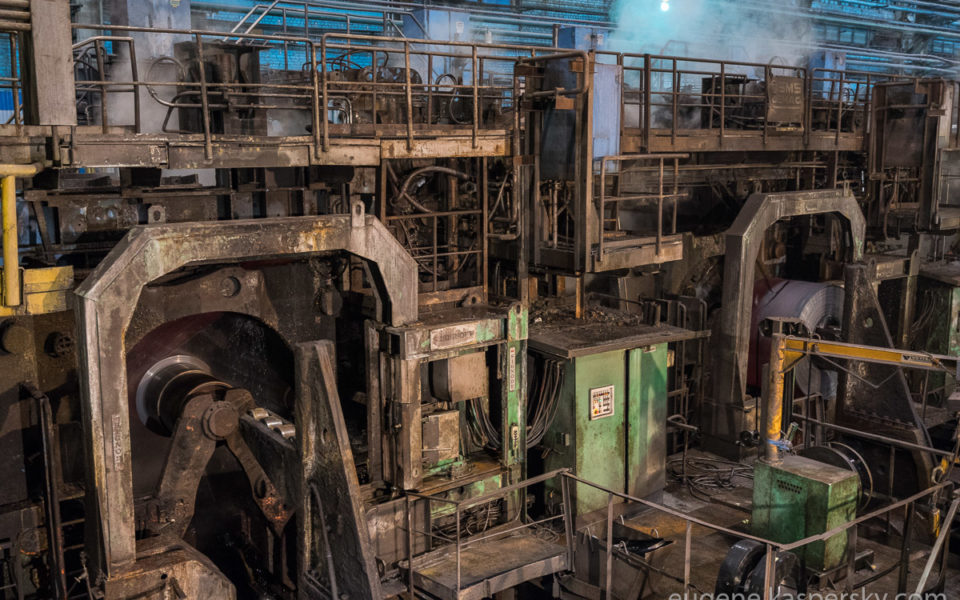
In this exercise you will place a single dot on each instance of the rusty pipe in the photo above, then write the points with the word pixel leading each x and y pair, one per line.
pixel 774 399
pixel 8 210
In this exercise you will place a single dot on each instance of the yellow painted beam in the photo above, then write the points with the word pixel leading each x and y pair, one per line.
pixel 45 290
pixel 8 217
pixel 11 260
pixel 799 347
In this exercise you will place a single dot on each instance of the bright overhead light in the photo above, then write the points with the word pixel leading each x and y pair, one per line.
pixel 665 5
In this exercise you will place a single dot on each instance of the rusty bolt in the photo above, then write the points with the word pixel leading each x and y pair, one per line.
pixel 229 287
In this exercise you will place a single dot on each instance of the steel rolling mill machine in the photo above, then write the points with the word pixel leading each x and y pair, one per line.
pixel 318 314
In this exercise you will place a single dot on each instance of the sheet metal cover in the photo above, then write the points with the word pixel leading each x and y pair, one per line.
pixel 813 304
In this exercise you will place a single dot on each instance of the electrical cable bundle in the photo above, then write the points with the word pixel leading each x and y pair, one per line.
pixel 542 410
pixel 707 476
pixel 545 402
pixel 473 522
pixel 482 431
pixel 931 309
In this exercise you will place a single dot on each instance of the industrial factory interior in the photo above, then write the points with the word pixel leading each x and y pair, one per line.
pixel 480 299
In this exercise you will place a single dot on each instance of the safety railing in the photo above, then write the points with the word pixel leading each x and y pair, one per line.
pixel 97 46
pixel 841 100
pixel 671 97
pixel 347 85
pixel 679 96
pixel 570 484
pixel 666 190
pixel 773 548
pixel 353 85
pixel 562 523
pixel 417 83
pixel 193 90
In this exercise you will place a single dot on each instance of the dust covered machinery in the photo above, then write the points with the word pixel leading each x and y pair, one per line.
pixel 327 314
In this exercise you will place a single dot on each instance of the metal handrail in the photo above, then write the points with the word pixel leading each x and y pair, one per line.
pixel 659 196
pixel 772 546
pixel 98 48
pixel 653 65
pixel 329 41
pixel 316 93
pixel 197 94
pixel 459 505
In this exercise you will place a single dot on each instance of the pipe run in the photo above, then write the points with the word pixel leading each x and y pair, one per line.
pixel 8 209
pixel 774 399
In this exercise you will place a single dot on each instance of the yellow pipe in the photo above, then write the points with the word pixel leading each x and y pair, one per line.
pixel 774 403
pixel 8 210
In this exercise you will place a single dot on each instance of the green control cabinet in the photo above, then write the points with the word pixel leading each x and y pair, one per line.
pixel 799 497
pixel 610 427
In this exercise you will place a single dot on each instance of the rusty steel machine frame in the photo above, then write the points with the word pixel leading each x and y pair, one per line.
pixel 104 303
pixel 726 416
pixel 376 538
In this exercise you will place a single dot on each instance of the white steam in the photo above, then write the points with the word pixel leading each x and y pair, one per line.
pixel 760 31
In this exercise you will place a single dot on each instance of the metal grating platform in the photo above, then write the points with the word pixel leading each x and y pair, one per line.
pixel 488 566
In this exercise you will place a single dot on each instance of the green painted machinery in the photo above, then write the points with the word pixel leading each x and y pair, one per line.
pixel 610 425
pixel 797 497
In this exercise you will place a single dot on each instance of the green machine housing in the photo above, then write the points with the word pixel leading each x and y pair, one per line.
pixel 799 497
pixel 610 426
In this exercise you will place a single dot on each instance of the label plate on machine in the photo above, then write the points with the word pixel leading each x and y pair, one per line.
pixel 453 336
pixel 601 402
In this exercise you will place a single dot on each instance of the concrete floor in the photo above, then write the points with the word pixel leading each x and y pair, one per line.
pixel 710 547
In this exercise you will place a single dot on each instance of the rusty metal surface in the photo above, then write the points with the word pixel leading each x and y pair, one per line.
pixel 743 239
pixel 189 454
pixel 887 409
pixel 571 338
pixel 334 542
pixel 52 68
pixel 367 119
pixel 489 567
pixel 168 568
pixel 105 307
pixel 186 151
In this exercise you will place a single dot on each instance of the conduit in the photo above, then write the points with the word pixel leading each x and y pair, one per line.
pixel 8 208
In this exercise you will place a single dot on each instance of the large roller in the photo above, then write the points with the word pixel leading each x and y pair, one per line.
pixel 816 305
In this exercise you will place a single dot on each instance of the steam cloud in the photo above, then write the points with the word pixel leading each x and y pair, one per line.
pixel 757 31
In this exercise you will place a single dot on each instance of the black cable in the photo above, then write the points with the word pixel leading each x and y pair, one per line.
pixel 546 404
pixel 543 407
